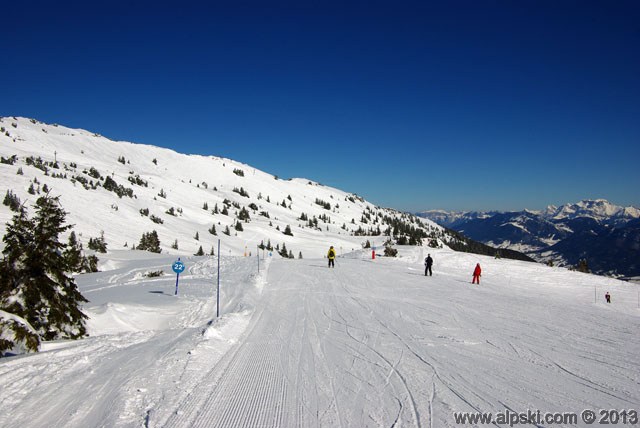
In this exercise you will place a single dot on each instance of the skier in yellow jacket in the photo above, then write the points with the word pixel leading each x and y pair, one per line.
pixel 332 256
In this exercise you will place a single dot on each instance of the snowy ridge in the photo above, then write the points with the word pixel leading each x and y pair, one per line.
pixel 599 209
pixel 180 191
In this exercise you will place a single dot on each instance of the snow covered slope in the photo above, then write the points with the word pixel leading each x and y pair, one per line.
pixel 180 193
pixel 370 343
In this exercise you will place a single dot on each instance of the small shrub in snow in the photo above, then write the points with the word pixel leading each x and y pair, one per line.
pixel 154 274
pixel 390 252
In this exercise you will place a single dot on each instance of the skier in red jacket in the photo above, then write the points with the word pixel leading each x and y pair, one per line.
pixel 476 274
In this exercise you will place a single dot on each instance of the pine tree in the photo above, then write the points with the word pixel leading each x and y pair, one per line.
pixel 98 244
pixel 12 201
pixel 244 214
pixel 73 254
pixel 90 263
pixel 283 252
pixel 200 252
pixel 287 231
pixel 33 274
pixel 150 242
pixel 213 230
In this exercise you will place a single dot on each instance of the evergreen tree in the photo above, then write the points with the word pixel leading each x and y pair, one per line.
pixel 213 230
pixel 239 227
pixel 244 214
pixel 73 254
pixel 90 263
pixel 150 242
pixel 98 244
pixel 287 231
pixel 200 252
pixel 197 237
pixel 283 252
pixel 33 274
pixel 12 201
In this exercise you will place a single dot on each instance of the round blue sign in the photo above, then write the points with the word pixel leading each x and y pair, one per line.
pixel 178 267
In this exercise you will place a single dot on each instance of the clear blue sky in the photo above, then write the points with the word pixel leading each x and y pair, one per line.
pixel 462 105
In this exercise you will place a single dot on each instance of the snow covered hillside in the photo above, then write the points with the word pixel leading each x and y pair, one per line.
pixel 370 343
pixel 124 190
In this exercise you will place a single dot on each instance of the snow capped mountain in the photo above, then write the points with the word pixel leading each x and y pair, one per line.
pixel 604 234
pixel 599 209
pixel 122 190
pixel 451 218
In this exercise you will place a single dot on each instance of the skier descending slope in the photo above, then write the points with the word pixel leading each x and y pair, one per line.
pixel 477 272
pixel 428 262
pixel 332 256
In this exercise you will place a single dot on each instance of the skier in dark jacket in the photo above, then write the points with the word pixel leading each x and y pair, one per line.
pixel 428 262
pixel 607 297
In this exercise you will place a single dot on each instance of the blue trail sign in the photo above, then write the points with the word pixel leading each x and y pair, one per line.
pixel 177 267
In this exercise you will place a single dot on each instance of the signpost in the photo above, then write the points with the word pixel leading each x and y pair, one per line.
pixel 177 267
pixel 218 290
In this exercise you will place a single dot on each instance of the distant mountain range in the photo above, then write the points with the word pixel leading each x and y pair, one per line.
pixel 604 234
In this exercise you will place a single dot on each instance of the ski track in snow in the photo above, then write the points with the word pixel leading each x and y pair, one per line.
pixel 330 347
pixel 366 344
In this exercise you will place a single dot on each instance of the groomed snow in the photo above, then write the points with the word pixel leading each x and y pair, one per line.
pixel 369 343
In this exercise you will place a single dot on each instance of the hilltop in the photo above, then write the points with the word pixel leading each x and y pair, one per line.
pixel 122 190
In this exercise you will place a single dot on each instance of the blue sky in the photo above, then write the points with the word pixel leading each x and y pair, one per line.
pixel 460 105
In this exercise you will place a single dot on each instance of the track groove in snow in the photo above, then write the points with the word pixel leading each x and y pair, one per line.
pixel 367 344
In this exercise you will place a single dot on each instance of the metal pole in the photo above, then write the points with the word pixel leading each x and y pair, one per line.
pixel 177 278
pixel 218 293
